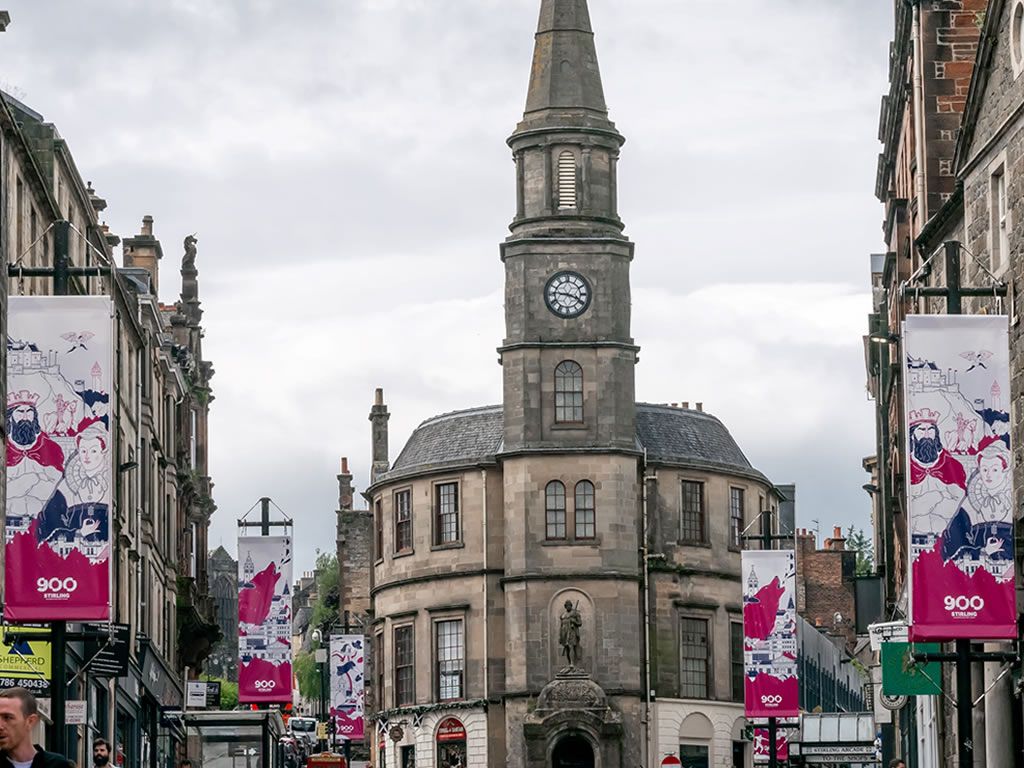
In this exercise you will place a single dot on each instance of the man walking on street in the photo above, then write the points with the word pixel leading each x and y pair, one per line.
pixel 18 716
pixel 100 753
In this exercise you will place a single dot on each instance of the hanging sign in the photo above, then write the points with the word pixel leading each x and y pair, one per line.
pixel 959 477
pixel 26 663
pixel 107 650
pixel 264 619
pixel 451 729
pixel 769 634
pixel 347 664
pixel 57 544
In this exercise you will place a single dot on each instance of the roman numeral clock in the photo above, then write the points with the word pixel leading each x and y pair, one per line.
pixel 567 294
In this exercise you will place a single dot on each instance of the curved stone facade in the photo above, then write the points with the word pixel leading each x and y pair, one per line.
pixel 513 543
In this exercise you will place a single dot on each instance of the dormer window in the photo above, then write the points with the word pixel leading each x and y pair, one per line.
pixel 566 180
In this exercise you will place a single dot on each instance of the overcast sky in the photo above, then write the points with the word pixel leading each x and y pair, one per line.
pixel 345 166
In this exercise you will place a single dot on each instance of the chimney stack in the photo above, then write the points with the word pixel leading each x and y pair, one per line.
pixel 379 436
pixel 345 487
pixel 143 250
pixel 700 407
pixel 686 403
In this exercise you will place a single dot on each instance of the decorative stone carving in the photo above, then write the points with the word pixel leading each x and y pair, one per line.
pixel 188 261
pixel 572 688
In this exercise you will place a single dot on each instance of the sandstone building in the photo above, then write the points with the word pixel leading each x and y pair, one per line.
pixel 496 526
pixel 157 412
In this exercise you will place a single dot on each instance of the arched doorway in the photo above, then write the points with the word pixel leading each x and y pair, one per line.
pixel 572 752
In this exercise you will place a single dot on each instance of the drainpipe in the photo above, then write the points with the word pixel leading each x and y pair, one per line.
pixel 918 91
pixel 487 608
pixel 645 550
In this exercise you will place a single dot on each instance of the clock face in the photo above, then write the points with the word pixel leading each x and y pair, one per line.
pixel 567 294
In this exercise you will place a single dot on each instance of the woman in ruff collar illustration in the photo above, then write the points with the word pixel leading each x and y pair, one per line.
pixel 79 506
pixel 982 526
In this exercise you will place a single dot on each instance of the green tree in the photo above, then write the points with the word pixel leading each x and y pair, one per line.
pixel 857 541
pixel 228 692
pixel 325 616
pixel 307 673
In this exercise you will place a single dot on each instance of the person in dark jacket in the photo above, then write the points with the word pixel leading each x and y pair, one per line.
pixel 18 716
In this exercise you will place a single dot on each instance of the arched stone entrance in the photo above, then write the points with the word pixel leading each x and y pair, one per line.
pixel 572 752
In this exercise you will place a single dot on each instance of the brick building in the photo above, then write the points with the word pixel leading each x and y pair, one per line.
pixel 953 137
pixel 824 584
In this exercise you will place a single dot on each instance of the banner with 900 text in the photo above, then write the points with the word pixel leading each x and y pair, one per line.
pixel 264 619
pixel 347 663
pixel 770 687
pixel 959 477
pixel 57 544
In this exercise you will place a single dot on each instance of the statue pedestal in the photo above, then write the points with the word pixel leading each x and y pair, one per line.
pixel 573 704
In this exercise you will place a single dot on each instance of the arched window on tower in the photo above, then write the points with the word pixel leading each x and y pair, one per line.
pixel 586 527
pixel 554 510
pixel 566 180
pixel 569 392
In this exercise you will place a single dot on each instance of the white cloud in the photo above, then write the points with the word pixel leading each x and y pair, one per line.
pixel 344 164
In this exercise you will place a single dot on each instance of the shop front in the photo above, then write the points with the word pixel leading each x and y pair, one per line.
pixel 161 733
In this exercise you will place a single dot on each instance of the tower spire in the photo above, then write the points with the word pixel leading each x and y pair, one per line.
pixel 565 147
pixel 565 76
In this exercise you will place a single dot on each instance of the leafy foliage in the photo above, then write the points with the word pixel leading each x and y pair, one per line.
pixel 228 692
pixel 857 541
pixel 307 673
pixel 325 615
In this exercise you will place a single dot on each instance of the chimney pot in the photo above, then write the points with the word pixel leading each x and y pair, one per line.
pixel 147 225
pixel 344 465
pixel 837 532
pixel 378 396
pixel 675 405
pixel 700 407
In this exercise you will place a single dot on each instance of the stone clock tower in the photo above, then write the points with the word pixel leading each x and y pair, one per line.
pixel 570 457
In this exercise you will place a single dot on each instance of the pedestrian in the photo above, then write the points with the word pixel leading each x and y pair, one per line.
pixel 19 714
pixel 897 762
pixel 100 753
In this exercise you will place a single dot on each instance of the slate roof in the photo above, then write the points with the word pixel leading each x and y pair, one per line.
pixel 671 436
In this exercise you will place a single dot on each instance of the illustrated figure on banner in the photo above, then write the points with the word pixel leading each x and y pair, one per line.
pixel 953 433
pixel 983 525
pixel 938 479
pixel 35 462
pixel 78 508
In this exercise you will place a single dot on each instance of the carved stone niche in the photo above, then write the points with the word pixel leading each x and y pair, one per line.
pixel 573 724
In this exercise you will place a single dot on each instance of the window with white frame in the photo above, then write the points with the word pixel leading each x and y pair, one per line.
pixel 451 658
pixel 1017 38
pixel 1000 226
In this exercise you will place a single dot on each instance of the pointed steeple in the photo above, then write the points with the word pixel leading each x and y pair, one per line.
pixel 566 148
pixel 565 76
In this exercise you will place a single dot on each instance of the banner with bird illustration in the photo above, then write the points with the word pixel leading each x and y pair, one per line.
pixel 59 474
pixel 959 477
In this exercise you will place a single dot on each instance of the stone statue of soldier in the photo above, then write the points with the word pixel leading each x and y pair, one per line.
pixel 569 633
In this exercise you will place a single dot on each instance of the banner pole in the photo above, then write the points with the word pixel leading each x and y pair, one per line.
pixel 58 629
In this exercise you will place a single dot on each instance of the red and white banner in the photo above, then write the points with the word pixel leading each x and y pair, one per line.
pixel 264 618
pixel 959 477
pixel 762 744
pixel 57 544
pixel 769 634
pixel 347 662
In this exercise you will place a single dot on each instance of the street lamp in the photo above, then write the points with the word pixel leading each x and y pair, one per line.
pixel 321 663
